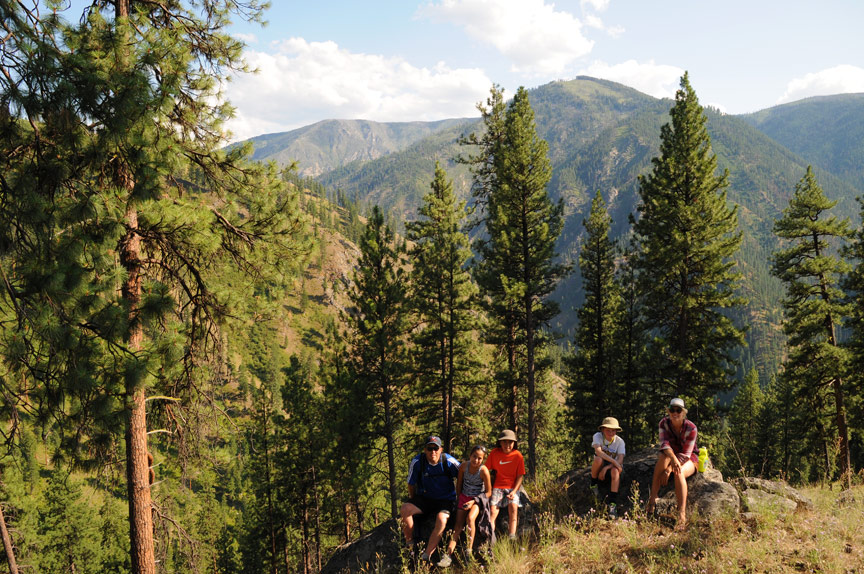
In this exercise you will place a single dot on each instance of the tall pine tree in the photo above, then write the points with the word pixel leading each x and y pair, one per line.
pixel 688 236
pixel 518 267
pixel 379 327
pixel 443 295
pixel 815 307
pixel 594 373
pixel 118 267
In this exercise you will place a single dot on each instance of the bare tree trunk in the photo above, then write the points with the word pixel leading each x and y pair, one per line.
pixel 317 520
pixel 137 467
pixel 514 376
pixel 346 531
pixel 7 544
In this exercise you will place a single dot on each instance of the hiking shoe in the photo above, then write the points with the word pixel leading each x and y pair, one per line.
pixel 445 561
pixel 613 511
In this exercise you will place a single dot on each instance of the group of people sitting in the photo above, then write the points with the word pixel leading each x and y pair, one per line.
pixel 483 487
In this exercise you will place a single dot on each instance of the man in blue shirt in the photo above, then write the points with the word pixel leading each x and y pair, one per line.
pixel 431 492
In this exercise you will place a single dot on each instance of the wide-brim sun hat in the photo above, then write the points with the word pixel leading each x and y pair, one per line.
pixel 610 423
pixel 676 402
pixel 507 434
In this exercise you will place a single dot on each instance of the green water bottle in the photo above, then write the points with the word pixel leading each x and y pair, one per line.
pixel 703 459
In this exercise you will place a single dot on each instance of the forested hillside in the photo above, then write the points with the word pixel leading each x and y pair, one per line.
pixel 601 136
pixel 826 130
pixel 210 364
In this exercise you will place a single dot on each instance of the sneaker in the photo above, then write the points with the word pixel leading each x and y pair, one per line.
pixel 467 556
pixel 613 511
pixel 512 537
pixel 595 490
pixel 426 558
pixel 445 561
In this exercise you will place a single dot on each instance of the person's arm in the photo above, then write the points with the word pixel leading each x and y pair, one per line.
pixel 487 481
pixel 459 478
pixel 520 474
pixel 413 476
pixel 619 460
pixel 689 442
pixel 598 452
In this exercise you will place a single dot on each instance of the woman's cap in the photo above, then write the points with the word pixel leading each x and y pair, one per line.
pixel 610 423
pixel 676 402
pixel 507 434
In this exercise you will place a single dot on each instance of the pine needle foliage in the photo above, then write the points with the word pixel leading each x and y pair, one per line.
pixel 444 298
pixel 810 266
pixel 688 236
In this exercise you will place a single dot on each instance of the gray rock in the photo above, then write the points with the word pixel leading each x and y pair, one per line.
pixel 846 498
pixel 382 549
pixel 776 488
pixel 706 491
pixel 755 500
pixel 377 551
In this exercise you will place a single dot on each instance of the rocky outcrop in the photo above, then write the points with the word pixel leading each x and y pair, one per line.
pixel 759 494
pixel 377 551
pixel 382 550
pixel 708 492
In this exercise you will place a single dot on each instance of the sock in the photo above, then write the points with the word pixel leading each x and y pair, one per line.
pixel 612 498
pixel 594 481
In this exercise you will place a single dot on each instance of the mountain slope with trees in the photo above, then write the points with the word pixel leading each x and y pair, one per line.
pixel 827 130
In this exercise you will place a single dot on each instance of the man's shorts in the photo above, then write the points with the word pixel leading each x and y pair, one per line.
pixel 499 498
pixel 431 506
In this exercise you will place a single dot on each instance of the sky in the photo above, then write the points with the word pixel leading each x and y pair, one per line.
pixel 406 60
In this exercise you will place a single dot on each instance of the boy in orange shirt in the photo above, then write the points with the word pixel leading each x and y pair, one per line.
pixel 508 467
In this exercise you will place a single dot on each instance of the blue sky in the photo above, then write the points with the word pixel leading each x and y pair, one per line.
pixel 389 60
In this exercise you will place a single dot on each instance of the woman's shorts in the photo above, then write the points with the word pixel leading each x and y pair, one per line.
pixel 463 500
pixel 499 498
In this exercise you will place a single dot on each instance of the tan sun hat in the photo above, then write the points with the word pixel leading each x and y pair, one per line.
pixel 610 423
pixel 507 434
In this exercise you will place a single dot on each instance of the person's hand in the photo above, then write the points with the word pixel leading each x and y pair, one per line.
pixel 511 495
pixel 619 466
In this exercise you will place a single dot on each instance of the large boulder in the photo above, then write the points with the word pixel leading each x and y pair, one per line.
pixel 758 495
pixel 381 550
pixel 377 551
pixel 708 492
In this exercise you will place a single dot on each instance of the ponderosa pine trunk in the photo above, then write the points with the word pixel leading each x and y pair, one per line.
pixel 7 544
pixel 137 467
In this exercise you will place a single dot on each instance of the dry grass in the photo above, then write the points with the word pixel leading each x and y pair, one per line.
pixel 828 539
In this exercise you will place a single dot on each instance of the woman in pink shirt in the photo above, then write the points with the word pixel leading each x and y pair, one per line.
pixel 677 457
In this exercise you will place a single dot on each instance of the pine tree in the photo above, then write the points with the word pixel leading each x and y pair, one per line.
pixel 637 400
pixel 68 530
pixel 443 296
pixel 743 422
pixel 518 268
pixel 378 329
pixel 127 238
pixel 815 308
pixel 688 235
pixel 502 331
pixel 854 285
pixel 594 378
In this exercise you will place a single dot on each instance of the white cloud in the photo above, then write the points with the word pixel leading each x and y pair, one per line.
pixel 837 80
pixel 302 82
pixel 246 38
pixel 537 39
pixel 598 5
pixel 657 80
